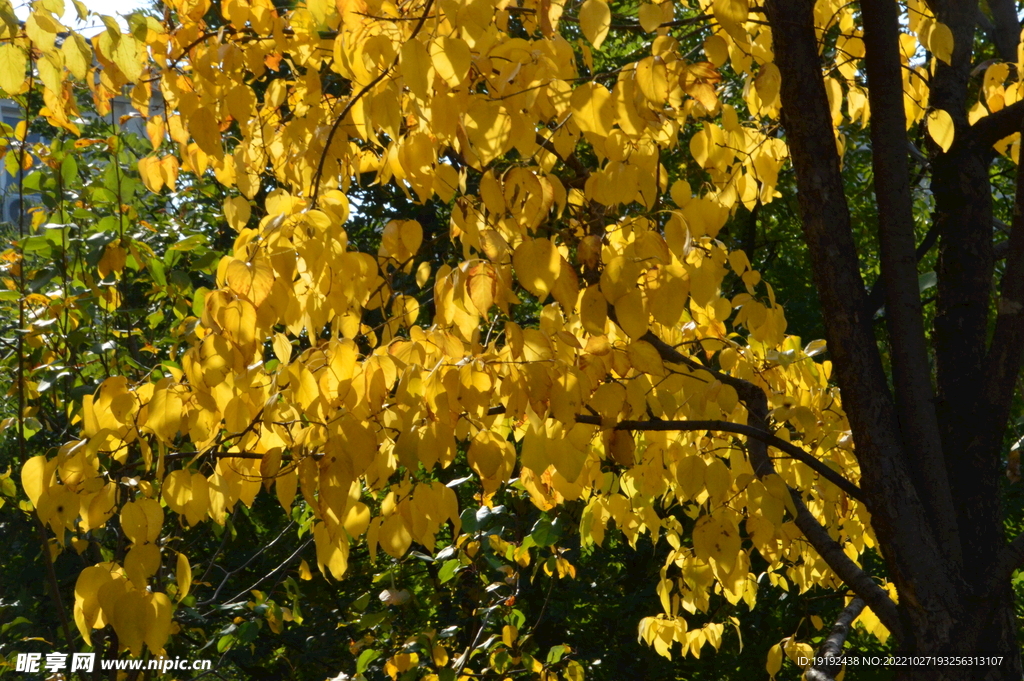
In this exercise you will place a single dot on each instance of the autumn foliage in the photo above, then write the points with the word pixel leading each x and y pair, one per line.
pixel 588 342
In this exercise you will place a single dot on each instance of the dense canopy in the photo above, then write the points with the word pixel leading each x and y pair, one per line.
pixel 464 301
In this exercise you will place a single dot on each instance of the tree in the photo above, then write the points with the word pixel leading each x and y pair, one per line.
pixel 584 345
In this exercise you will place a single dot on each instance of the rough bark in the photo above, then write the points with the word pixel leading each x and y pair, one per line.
pixel 963 215
pixel 943 610
pixel 915 398
pixel 1003 362
pixel 899 517
pixel 1005 28
pixel 832 648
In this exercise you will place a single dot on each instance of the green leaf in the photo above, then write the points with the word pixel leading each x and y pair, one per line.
pixel 546 532
pixel 225 643
pixel 448 570
pixel 37 243
pixel 188 243
pixel 365 658
pixel 555 654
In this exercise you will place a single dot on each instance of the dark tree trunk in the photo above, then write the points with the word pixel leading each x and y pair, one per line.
pixel 929 456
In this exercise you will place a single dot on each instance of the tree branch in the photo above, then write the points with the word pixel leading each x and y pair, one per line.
pixel 861 582
pixel 759 434
pixel 995 126
pixel 1005 28
pixel 915 398
pixel 51 576
pixel 816 534
pixel 826 222
pixel 899 517
pixel 582 173
pixel 756 402
pixel 748 393
pixel 1011 560
pixel 1007 347
pixel 876 299
pixel 352 101
pixel 833 646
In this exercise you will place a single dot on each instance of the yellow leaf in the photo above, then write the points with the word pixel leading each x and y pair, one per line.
pixel 422 274
pixel 205 130
pixel 650 17
pixel 717 50
pixel 183 576
pixel 88 613
pixel 142 520
pixel 595 19
pixel 593 310
pixel 417 69
pixel 156 620
pixel 282 348
pixel 489 128
pixel 304 572
pixel 126 57
pixel 113 260
pixel 645 358
pixel 320 9
pixel 717 478
pixel 331 552
pixel 109 592
pixel 411 234
pixel 481 286
pixel 631 315
pixel 34 476
pixel 141 563
pixel 165 410
pixel 941 128
pixel 774 663
pixel 237 211
pixel 940 42
pixel 169 171
pixel 357 519
pixel 285 486
pixel 608 400
pixel 731 14
pixel 177 490
pixel 101 507
pixel 77 55
pixel 252 280
pixel 718 539
pixel 451 58
pixel 13 63
pixel 652 77
pixel 129 615
pixel 537 264
pixel 592 108
pixel 690 473
pixel 567 288
pixel 394 536
pixel 767 83
pixel 509 634
pixel 149 171
pixel 200 501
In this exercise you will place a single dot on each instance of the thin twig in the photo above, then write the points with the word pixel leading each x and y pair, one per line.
pixel 351 102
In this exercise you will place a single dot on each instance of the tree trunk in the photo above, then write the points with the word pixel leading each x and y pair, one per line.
pixel 930 465
pixel 982 631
